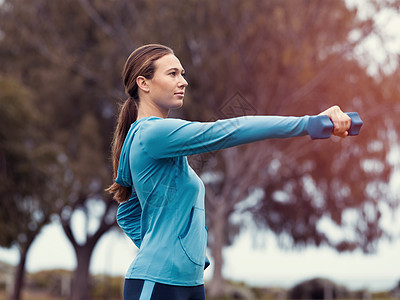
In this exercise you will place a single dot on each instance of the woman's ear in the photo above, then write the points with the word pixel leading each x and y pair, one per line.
pixel 142 84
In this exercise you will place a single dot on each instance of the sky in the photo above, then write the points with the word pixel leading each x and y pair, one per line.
pixel 254 257
pixel 374 51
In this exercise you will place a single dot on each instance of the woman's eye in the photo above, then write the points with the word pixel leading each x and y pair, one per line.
pixel 174 73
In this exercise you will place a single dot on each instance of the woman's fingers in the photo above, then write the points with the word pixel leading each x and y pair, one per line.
pixel 341 121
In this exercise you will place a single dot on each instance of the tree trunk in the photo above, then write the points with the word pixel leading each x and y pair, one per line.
pixel 81 286
pixel 81 279
pixel 20 271
pixel 219 223
pixel 19 277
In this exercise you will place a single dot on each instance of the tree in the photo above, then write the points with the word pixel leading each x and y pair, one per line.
pixel 51 58
pixel 24 174
pixel 292 54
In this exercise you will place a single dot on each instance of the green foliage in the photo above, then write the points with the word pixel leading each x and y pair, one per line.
pixel 16 112
pixel 22 169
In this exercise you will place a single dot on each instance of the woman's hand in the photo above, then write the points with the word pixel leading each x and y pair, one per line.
pixel 341 121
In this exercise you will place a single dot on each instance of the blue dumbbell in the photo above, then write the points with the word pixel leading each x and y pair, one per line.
pixel 321 127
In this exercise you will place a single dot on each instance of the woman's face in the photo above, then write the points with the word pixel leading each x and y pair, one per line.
pixel 167 87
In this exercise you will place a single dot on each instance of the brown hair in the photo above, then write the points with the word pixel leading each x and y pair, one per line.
pixel 139 63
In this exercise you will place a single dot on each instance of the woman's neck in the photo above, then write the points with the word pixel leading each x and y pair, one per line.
pixel 148 110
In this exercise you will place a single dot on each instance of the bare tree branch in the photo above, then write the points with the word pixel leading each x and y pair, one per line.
pixel 120 37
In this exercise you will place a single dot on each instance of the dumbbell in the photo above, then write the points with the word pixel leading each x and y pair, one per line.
pixel 321 127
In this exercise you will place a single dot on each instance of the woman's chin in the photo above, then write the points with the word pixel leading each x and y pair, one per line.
pixel 177 104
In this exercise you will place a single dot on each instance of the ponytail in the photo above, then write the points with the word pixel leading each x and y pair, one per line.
pixel 127 115
pixel 139 63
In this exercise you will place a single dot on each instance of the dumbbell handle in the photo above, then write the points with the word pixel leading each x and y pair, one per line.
pixel 321 127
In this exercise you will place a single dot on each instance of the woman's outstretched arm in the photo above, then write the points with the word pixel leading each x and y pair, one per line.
pixel 163 138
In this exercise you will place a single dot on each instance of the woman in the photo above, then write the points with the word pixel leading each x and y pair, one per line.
pixel 161 198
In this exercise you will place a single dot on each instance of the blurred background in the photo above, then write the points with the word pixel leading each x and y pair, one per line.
pixel 287 219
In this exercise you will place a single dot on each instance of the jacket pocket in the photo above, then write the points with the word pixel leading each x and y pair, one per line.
pixel 194 238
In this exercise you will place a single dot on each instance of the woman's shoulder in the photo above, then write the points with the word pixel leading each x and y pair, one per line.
pixel 158 125
pixel 156 131
pixel 154 119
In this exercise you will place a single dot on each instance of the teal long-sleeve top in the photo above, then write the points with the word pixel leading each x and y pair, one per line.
pixel 165 216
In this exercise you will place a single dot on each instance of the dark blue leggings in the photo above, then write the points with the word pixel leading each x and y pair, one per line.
pixel 137 289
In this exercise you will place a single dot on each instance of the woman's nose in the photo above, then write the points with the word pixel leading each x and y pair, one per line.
pixel 183 82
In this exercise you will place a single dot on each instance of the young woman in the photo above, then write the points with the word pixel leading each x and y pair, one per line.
pixel 161 198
